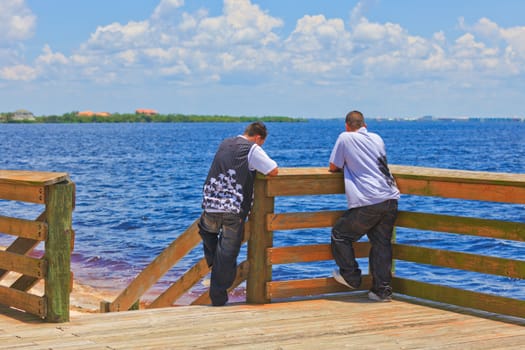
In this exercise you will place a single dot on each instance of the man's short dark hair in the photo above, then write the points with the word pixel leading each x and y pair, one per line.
pixel 256 128
pixel 355 120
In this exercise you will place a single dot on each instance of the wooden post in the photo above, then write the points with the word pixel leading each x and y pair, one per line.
pixel 260 239
pixel 59 207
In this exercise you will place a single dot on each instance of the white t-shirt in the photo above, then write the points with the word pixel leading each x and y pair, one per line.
pixel 259 160
pixel 362 156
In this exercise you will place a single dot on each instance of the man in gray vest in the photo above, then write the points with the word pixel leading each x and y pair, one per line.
pixel 372 195
pixel 227 200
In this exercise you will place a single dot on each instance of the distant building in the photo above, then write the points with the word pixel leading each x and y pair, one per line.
pixel 146 111
pixel 22 114
pixel 93 114
pixel 86 114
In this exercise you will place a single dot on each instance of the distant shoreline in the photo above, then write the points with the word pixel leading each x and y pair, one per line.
pixel 73 117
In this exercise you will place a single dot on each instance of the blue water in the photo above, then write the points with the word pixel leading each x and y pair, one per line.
pixel 139 186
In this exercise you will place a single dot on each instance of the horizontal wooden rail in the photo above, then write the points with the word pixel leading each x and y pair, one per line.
pixel 23 193
pixel 460 297
pixel 309 253
pixel 31 303
pixel 443 258
pixel 462 225
pixel 23 264
pixel 309 287
pixel 36 230
pixel 460 184
pixel 421 221
pixel 462 261
pixel 302 220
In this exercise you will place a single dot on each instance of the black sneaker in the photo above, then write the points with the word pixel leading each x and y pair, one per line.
pixel 376 297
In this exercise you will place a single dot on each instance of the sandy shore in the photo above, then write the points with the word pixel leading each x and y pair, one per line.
pixel 83 299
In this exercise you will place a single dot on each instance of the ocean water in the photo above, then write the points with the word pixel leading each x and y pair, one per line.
pixel 139 187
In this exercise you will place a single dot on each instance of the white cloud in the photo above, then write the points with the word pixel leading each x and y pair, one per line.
pixel 166 8
pixel 467 47
pixel 50 57
pixel 117 36
pixel 17 22
pixel 242 44
pixel 18 72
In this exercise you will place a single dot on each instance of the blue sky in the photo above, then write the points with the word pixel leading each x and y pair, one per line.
pixel 308 58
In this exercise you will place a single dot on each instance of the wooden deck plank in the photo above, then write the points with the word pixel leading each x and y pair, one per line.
pixel 346 320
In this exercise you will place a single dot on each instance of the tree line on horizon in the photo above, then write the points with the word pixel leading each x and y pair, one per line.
pixel 73 117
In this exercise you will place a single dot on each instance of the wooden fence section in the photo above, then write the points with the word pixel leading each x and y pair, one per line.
pixel 469 185
pixel 53 227
pixel 129 298
pixel 263 221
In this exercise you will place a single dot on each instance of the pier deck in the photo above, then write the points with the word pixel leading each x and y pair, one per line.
pixel 344 321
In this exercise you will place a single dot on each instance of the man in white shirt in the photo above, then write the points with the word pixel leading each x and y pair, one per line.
pixel 227 200
pixel 372 196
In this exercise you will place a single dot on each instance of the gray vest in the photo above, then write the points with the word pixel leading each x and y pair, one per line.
pixel 229 185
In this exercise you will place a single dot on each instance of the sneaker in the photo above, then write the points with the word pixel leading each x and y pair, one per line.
pixel 375 297
pixel 341 279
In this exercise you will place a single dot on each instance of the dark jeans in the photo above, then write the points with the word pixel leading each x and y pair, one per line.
pixel 222 237
pixel 377 222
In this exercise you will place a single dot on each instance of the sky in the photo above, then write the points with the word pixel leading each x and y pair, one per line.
pixel 296 58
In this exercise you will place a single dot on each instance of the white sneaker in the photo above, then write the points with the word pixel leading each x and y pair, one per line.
pixel 341 279
pixel 373 296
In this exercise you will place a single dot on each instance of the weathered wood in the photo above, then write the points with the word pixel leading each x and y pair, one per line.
pixel 59 208
pixel 24 301
pixel 181 286
pixel 343 321
pixel 157 268
pixel 473 191
pixel 189 278
pixel 23 264
pixel 241 275
pixel 464 298
pixel 23 246
pixel 421 221
pixel 309 253
pixel 260 240
pixel 304 186
pixel 412 172
pixel 23 228
pixel 302 220
pixel 42 178
pixel 308 287
pixel 460 176
pixel 462 225
pixel 462 261
pixel 19 246
pixel 499 187
pixel 23 193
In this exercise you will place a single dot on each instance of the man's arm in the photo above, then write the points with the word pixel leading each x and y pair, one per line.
pixel 274 172
pixel 260 161
pixel 333 168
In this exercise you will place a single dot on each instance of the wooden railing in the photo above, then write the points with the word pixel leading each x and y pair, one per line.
pixel 262 255
pixel 53 227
